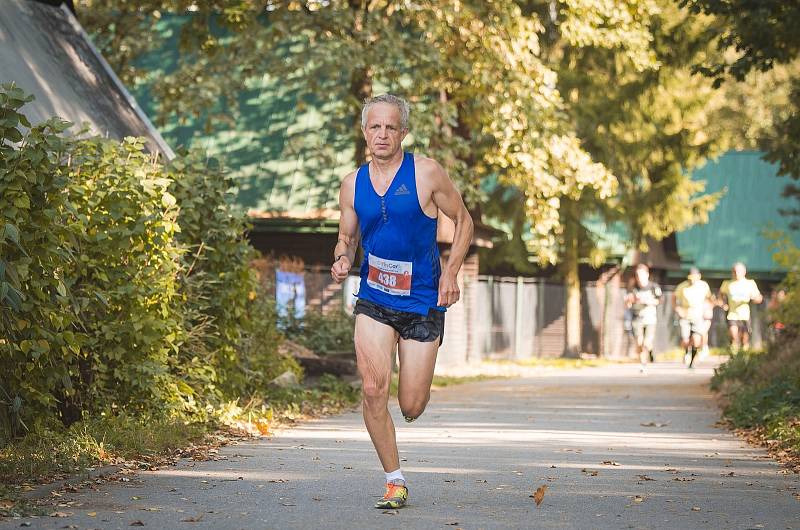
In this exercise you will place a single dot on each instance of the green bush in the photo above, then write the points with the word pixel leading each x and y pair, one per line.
pixel 762 391
pixel 125 284
pixel 123 276
pixel 38 349
pixel 321 332
pixel 232 339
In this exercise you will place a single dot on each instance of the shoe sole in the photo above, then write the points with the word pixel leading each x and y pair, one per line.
pixel 390 505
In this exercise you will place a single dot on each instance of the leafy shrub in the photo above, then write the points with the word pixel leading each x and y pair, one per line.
pixel 232 339
pixel 125 284
pixel 123 276
pixel 321 332
pixel 38 351
pixel 787 256
pixel 762 391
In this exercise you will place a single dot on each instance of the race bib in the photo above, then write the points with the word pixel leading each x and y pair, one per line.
pixel 389 276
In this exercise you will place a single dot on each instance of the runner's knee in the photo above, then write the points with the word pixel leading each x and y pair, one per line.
pixel 375 393
pixel 414 408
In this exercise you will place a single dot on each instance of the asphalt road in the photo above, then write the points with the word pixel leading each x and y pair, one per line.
pixel 615 449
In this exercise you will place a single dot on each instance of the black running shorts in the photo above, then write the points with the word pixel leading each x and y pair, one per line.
pixel 410 326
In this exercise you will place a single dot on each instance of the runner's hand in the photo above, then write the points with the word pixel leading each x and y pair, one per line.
pixel 341 269
pixel 448 290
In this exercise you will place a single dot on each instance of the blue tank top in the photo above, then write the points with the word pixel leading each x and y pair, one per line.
pixel 401 265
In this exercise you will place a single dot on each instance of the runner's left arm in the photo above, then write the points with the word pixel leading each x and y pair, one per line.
pixel 756 296
pixel 449 201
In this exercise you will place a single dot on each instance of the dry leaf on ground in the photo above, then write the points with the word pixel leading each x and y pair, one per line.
pixel 654 424
pixel 538 495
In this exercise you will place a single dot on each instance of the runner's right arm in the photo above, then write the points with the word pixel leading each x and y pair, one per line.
pixel 347 243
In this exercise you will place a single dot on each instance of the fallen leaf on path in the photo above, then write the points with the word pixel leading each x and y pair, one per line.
pixel 695 508
pixel 136 523
pixel 287 504
pixel 278 480
pixel 447 480
pixel 92 514
pixel 644 477
pixel 610 463
pixel 682 479
pixel 391 512
pixel 452 523
pixel 60 514
pixel 638 499
pixel 152 509
pixel 731 474
pixel 654 424
pixel 5 503
pixel 538 495
pixel 590 472
pixel 192 519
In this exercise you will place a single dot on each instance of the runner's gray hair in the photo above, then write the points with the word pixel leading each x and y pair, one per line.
pixel 400 103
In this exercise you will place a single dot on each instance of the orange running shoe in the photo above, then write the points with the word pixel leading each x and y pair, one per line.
pixel 395 497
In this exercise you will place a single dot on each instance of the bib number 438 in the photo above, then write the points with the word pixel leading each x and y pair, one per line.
pixel 390 276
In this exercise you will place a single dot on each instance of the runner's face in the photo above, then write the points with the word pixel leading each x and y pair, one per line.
pixel 739 272
pixel 383 132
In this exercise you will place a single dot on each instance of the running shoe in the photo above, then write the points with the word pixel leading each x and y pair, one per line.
pixel 395 497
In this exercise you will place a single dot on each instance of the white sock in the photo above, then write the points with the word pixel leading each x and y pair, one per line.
pixel 395 475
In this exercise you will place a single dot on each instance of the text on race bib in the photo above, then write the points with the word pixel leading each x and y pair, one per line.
pixel 389 276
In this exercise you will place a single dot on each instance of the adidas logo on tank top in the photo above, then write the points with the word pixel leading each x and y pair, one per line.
pixel 402 190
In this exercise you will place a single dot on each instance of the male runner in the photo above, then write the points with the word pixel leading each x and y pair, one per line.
pixel 642 299
pixel 689 301
pixel 736 296
pixel 391 205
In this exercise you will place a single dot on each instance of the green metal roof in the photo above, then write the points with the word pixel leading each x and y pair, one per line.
pixel 283 161
pixel 736 229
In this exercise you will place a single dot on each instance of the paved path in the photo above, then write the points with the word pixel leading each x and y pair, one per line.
pixel 473 460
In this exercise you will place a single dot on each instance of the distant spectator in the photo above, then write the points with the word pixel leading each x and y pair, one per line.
pixel 690 302
pixel 736 295
pixel 642 299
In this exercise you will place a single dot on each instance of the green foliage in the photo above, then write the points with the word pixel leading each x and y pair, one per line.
pixel 321 332
pixel 787 256
pixel 38 349
pixel 763 33
pixel 50 449
pixel 762 391
pixel 125 284
pixel 760 36
pixel 123 278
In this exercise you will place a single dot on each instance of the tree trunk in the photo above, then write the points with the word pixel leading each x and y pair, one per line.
pixel 361 89
pixel 360 85
pixel 572 284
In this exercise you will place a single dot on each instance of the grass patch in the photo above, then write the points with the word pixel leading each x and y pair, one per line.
pixel 676 354
pixel 445 381
pixel 558 362
pixel 52 451
pixel 761 393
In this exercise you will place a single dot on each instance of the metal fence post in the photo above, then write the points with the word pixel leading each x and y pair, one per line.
pixel 518 320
